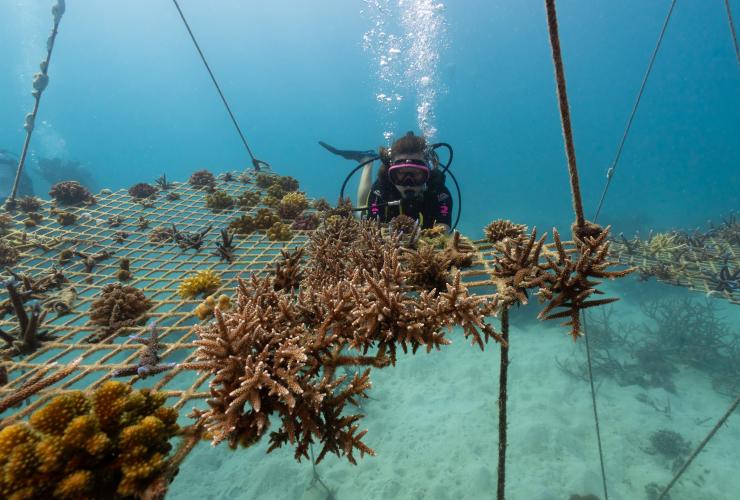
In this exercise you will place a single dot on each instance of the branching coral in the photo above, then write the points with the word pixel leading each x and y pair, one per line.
pixel 518 267
pixel 265 218
pixel 149 360
pixel 279 232
pixel 292 204
pixel 71 193
pixel 111 443
pixel 202 282
pixel 663 243
pixel 569 283
pixel 29 334
pixel 306 222
pixel 243 225
pixel 142 190
pixel 225 248
pixel 321 205
pixel 498 230
pixel 428 269
pixel 288 274
pixel 219 200
pixel 117 307
pixel 277 352
pixel 162 182
pixel 162 234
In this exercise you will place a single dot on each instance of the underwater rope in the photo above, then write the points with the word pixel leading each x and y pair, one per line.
pixel 40 82
pixel 732 30
pixel 255 162
pixel 613 167
pixel 701 446
pixel 552 25
pixel 570 150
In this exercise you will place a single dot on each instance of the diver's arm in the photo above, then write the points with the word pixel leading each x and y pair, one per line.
pixel 366 182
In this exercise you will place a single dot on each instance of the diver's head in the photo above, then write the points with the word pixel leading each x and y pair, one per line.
pixel 408 167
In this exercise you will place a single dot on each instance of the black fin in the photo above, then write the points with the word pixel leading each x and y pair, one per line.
pixel 349 154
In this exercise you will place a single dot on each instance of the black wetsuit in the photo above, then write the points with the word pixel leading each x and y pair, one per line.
pixel 433 207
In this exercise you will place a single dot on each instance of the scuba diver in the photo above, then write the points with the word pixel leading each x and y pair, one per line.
pixel 410 181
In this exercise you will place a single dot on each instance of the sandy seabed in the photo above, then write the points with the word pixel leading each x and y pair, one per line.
pixel 433 423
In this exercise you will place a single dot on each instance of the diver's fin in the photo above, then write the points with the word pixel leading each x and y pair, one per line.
pixel 348 154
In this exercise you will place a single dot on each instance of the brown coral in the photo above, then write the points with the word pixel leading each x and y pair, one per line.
pixel 117 307
pixel 219 200
pixel 6 223
pixel 279 232
pixel 248 199
pixel 265 218
pixel 243 225
pixel 109 444
pixel 71 193
pixel 292 204
pixel 500 229
pixel 277 353
pixel 142 190
pixel 66 218
pixel 28 204
pixel 9 255
pixel 202 179
pixel 306 222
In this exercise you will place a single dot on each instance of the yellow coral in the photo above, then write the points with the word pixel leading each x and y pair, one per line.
pixel 292 204
pixel 77 446
pixel 205 309
pixel 201 282
pixel 279 232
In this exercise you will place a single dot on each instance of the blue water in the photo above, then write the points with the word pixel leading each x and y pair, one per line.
pixel 130 99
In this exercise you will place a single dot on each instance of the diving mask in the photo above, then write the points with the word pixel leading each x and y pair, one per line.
pixel 408 173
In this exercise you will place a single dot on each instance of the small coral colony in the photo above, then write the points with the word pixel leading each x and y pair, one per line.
pixel 349 295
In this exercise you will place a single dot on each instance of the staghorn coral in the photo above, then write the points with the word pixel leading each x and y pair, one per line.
pixel 279 232
pixel 663 243
pixel 248 199
pixel 497 230
pixel 71 193
pixel 288 274
pixel 205 309
pixel 428 269
pixel 162 182
pixel 277 353
pixel 225 248
pixel 306 222
pixel 243 225
pixel 321 205
pixel 403 224
pixel 569 282
pixel 460 251
pixel 202 179
pixel 344 208
pixel 219 200
pixel 108 444
pixel 149 360
pixel 202 282
pixel 9 255
pixel 142 190
pixel 265 218
pixel 292 204
pixel 517 268
pixel 118 306
pixel 436 236
pixel 28 204
pixel 29 334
